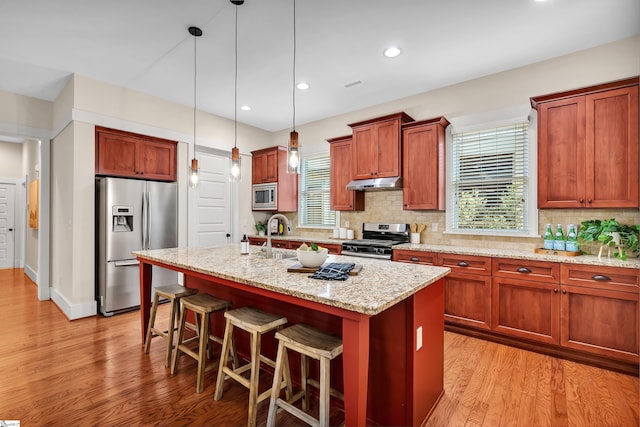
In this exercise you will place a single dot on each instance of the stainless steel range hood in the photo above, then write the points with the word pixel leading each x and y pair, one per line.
pixel 376 184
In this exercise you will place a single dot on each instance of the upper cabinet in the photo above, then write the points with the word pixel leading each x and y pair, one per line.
pixel 265 165
pixel 341 174
pixel 588 147
pixel 423 167
pixel 270 165
pixel 131 155
pixel 376 146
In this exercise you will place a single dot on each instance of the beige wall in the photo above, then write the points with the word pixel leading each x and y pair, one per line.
pixel 31 161
pixel 10 160
pixel 495 92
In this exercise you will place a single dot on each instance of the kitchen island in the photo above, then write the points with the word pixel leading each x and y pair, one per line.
pixel 390 317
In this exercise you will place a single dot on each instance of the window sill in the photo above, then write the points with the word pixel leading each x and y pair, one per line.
pixel 491 234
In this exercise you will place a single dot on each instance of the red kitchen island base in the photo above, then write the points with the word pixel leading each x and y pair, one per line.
pixel 392 362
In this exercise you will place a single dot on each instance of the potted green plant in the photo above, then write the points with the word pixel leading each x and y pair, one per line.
pixel 261 228
pixel 611 234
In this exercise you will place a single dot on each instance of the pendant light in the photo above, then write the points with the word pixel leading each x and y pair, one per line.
pixel 236 169
pixel 293 151
pixel 194 178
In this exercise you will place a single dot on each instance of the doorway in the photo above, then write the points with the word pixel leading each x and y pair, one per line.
pixel 7 225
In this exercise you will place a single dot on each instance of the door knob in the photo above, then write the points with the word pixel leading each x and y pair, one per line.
pixel 11 229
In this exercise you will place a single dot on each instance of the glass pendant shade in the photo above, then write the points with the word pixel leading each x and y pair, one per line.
pixel 236 167
pixel 194 177
pixel 293 153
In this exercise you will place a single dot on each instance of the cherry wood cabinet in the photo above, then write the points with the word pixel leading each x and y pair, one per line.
pixel 588 147
pixel 376 146
pixel 265 165
pixel 526 302
pixel 270 165
pixel 423 164
pixel 467 289
pixel 341 156
pixel 600 311
pixel 131 155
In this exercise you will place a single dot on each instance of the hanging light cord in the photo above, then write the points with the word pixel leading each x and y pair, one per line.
pixel 235 89
pixel 294 65
pixel 195 73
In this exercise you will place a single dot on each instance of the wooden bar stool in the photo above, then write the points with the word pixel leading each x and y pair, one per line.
pixel 201 305
pixel 173 293
pixel 311 342
pixel 256 323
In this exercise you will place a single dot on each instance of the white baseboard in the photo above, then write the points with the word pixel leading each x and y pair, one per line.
pixel 31 273
pixel 74 311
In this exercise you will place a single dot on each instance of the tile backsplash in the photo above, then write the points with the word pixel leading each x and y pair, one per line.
pixel 386 206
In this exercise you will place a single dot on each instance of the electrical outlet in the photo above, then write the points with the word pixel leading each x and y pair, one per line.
pixel 419 338
pixel 434 226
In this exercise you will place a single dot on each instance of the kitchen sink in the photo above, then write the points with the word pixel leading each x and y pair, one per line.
pixel 279 254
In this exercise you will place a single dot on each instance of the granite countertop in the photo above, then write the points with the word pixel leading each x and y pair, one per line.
pixel 379 285
pixel 510 253
pixel 299 238
pixel 504 253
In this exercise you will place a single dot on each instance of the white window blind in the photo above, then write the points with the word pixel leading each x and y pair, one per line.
pixel 490 180
pixel 315 206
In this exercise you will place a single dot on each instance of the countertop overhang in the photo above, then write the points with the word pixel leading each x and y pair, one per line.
pixel 380 285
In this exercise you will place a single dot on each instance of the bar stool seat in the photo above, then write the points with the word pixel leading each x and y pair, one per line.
pixel 309 342
pixel 173 293
pixel 203 305
pixel 256 323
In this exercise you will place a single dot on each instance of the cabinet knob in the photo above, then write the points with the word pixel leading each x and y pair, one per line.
pixel 601 278
pixel 555 291
pixel 581 201
pixel 463 264
pixel 564 291
pixel 589 200
pixel 524 270
pixel 415 259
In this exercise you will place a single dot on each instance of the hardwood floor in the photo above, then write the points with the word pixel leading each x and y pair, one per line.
pixel 93 372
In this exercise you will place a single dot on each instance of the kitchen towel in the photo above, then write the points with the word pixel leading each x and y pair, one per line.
pixel 334 271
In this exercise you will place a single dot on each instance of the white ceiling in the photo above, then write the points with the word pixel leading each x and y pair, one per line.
pixel 144 45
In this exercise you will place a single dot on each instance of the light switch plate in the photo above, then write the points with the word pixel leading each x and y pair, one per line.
pixel 419 338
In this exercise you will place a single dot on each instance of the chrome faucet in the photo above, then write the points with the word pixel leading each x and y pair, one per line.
pixel 269 253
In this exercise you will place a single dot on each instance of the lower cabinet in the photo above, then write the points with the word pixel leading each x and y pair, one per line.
pixel 588 312
pixel 526 309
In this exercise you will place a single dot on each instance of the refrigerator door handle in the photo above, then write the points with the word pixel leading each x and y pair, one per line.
pixel 148 243
pixel 144 221
pixel 126 263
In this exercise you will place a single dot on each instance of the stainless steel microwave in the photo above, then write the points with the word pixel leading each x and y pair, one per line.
pixel 264 197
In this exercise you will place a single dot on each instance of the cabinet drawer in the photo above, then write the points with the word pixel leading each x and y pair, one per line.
pixel 539 271
pixel 468 264
pixel 419 257
pixel 282 244
pixel 593 276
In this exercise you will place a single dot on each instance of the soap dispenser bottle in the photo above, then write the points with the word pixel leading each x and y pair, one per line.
pixel 244 245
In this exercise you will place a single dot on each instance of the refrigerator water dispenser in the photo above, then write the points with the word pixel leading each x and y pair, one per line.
pixel 122 219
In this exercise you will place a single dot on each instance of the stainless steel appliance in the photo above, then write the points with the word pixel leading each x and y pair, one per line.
pixel 131 215
pixel 377 240
pixel 265 197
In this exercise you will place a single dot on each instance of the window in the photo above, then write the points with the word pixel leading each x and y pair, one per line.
pixel 315 208
pixel 489 192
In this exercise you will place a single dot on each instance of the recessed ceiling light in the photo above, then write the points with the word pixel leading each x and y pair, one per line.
pixel 302 86
pixel 392 52
pixel 245 108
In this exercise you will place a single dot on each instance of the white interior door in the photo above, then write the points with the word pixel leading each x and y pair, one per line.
pixel 211 206
pixel 7 225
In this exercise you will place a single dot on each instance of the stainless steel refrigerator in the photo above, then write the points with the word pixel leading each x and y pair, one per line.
pixel 131 215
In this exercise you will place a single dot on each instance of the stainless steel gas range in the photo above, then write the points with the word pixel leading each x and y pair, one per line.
pixel 377 240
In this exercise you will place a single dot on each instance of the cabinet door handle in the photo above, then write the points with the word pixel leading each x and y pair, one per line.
pixel 415 259
pixel 589 200
pixel 555 291
pixel 564 291
pixel 581 201
pixel 601 278
pixel 463 264
pixel 524 270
